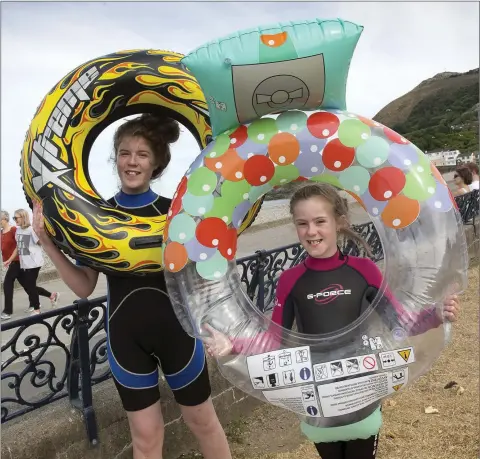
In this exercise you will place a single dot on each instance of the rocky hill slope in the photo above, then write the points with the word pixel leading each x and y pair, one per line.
pixel 440 113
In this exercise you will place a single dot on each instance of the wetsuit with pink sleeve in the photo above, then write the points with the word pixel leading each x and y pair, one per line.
pixel 323 295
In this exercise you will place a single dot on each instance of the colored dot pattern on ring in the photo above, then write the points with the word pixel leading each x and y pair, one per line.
pixel 386 173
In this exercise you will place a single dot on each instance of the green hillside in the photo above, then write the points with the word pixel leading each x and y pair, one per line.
pixel 440 113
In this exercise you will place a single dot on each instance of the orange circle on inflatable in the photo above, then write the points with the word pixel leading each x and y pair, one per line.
pixel 400 212
pixel 283 148
pixel 165 230
pixel 274 40
pixel 230 165
pixel 175 257
pixel 368 121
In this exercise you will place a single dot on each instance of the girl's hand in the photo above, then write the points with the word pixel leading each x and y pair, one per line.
pixel 451 308
pixel 218 345
pixel 38 223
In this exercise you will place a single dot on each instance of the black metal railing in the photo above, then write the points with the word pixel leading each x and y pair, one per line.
pixel 468 206
pixel 38 368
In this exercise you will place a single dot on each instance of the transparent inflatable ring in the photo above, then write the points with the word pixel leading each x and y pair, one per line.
pixel 55 153
pixel 331 379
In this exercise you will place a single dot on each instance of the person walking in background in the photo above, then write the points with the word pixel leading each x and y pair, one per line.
pixel 473 167
pixel 8 247
pixel 462 178
pixel 29 254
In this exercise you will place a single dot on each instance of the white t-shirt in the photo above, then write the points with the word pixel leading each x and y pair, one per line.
pixel 474 185
pixel 30 252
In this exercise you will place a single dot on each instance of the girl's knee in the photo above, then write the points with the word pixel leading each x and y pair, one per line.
pixel 147 429
pixel 202 418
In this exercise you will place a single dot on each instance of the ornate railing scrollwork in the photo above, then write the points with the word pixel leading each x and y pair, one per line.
pixel 35 368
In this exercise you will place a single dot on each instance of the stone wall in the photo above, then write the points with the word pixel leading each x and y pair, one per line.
pixel 57 431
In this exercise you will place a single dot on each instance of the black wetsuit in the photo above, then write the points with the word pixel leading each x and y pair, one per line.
pixel 144 333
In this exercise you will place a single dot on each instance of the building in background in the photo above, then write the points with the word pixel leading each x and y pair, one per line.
pixel 443 158
pixel 472 158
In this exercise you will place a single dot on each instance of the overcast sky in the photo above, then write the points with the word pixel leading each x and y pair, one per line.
pixel 401 45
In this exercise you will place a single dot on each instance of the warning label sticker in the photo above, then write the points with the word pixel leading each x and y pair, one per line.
pixel 397 358
pixel 300 399
pixel 354 394
pixel 350 366
pixel 285 367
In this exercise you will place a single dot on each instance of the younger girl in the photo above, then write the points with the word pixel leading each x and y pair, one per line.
pixel 319 214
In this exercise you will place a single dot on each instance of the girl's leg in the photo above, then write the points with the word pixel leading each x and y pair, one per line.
pixel 361 449
pixel 203 422
pixel 332 450
pixel 147 429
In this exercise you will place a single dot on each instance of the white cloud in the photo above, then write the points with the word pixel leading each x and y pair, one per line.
pixel 402 44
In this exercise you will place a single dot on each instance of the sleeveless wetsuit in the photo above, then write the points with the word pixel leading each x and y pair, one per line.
pixel 144 333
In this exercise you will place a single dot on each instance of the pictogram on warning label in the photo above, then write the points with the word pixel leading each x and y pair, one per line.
pixel 285 358
pixel 305 373
pixel 320 372
pixel 399 375
pixel 369 362
pixel 397 357
pixel 289 377
pixel 350 366
pixel 269 362
pixel 272 380
pixel 280 368
pixel 336 368
pixel 388 360
pixel 397 387
pixel 405 354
